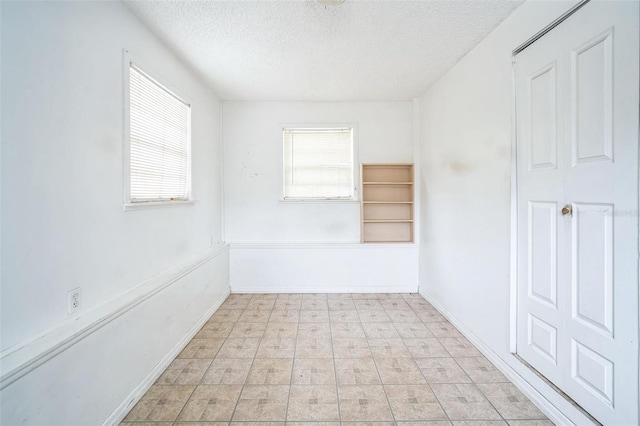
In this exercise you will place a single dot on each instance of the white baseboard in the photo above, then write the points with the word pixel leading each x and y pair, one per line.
pixel 550 410
pixel 119 414
pixel 266 288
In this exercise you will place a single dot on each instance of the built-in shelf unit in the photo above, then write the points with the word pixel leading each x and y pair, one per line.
pixel 387 203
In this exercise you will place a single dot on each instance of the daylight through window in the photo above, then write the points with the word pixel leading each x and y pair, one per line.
pixel 318 163
pixel 160 139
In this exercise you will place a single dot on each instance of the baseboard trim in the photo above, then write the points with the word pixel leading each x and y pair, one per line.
pixel 550 410
pixel 21 359
pixel 253 289
pixel 315 246
pixel 119 414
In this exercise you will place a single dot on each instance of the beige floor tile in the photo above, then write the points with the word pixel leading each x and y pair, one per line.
pixel 314 348
pixel 426 423
pixel 530 423
pixel 248 329
pixel 357 347
pixel 147 423
pixel 443 329
pixel 431 316
pixel 374 423
pixel 313 403
pixel 464 402
pixel 262 403
pixel 379 330
pixel 459 347
pixel 341 305
pixel 346 329
pixel 271 371
pixel 371 316
pixel 314 305
pixel 356 371
pixel 363 403
pixel 314 316
pixel 228 371
pixel 412 330
pixel 480 423
pixel 425 348
pixel 236 303
pixel 402 315
pixel 211 403
pixel 442 370
pixel 276 348
pixel 254 424
pixel 510 402
pixel 226 315
pixel 388 348
pixel 215 330
pixel 239 348
pixel 261 304
pixel 161 403
pixel 279 330
pixel 344 316
pixel 480 370
pixel 313 423
pixel 287 304
pixel 285 315
pixel 308 330
pixel 314 296
pixel 402 371
pixel 364 296
pixel 414 402
pixel 368 305
pixel 289 296
pixel 394 304
pixel 255 315
pixel 264 296
pixel 184 372
pixel 201 348
pixel 314 371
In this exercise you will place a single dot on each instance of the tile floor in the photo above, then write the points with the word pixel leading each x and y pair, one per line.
pixel 331 359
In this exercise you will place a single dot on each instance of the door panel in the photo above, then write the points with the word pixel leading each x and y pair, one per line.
pixel 577 147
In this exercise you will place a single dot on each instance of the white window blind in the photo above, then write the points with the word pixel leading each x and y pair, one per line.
pixel 318 163
pixel 160 138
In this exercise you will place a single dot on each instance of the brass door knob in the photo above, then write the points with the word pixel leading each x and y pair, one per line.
pixel 566 210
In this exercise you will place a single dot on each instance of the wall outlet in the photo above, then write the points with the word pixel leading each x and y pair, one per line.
pixel 74 300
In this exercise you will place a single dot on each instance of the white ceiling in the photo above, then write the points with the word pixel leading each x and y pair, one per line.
pixel 305 51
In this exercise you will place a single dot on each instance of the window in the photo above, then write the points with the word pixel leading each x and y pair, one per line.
pixel 318 163
pixel 159 141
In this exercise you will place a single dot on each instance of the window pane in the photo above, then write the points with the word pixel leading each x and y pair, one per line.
pixel 318 163
pixel 160 131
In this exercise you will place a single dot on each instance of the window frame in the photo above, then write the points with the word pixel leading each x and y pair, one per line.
pixel 355 172
pixel 128 204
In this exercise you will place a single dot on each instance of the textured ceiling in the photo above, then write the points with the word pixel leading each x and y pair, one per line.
pixel 306 51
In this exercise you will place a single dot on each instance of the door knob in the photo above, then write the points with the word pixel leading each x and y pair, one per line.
pixel 566 210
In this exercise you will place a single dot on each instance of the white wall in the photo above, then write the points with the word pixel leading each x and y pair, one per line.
pixel 266 234
pixel 465 182
pixel 63 224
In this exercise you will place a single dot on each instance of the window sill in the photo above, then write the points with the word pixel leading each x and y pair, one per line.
pixel 155 205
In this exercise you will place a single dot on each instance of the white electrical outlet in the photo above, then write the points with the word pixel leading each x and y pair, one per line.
pixel 74 300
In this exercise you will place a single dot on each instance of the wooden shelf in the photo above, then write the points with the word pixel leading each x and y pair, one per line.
pixel 387 203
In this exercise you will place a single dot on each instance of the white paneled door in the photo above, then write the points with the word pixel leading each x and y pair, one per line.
pixel 577 162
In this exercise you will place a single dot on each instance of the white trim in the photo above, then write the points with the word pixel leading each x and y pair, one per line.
pixel 119 414
pixel 329 288
pixel 156 204
pixel 23 358
pixel 416 168
pixel 315 246
pixel 551 411
pixel 513 252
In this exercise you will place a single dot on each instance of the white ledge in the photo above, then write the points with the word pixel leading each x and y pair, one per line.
pixel 318 246
pixel 156 205
pixel 20 359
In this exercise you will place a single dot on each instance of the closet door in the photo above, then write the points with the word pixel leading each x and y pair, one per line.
pixel 577 161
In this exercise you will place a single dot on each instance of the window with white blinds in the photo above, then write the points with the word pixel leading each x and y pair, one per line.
pixel 318 163
pixel 159 141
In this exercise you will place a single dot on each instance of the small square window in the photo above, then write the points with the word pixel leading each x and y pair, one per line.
pixel 159 141
pixel 318 163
